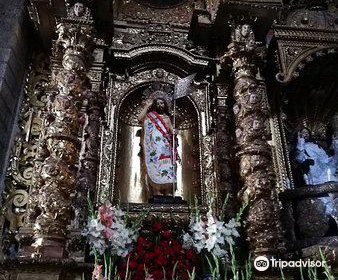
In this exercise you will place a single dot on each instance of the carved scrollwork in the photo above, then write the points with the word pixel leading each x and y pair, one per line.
pixel 281 162
pixel 134 11
pixel 104 190
pixel 89 158
pixel 224 147
pixel 209 166
pixel 307 18
pixel 122 84
pixel 18 203
pixel 14 208
pixel 155 35
pixel 300 46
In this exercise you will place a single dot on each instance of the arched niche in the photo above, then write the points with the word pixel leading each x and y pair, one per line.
pixel 120 141
pixel 309 100
pixel 129 181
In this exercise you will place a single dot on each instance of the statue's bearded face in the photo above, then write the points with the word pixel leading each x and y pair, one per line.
pixel 305 133
pixel 159 105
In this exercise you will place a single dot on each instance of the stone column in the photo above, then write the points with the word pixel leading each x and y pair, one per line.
pixel 263 226
pixel 58 173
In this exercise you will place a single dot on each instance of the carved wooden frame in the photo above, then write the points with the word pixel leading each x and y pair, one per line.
pixel 296 47
pixel 118 89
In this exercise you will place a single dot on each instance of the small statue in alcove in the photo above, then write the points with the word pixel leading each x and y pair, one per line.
pixel 243 35
pixel 317 165
pixel 159 146
pixel 79 11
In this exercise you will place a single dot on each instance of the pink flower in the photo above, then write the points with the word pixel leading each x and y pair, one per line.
pixel 108 233
pixel 106 215
pixel 97 273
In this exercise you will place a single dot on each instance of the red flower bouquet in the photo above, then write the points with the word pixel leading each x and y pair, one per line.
pixel 159 255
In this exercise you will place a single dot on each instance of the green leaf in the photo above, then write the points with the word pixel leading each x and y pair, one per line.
pixel 327 269
pixel 242 209
pixel 174 271
pixel 223 208
pixel 282 273
pixel 192 275
pixel 301 273
pixel 90 206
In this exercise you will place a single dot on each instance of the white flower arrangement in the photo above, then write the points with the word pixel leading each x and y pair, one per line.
pixel 122 238
pixel 211 235
pixel 108 230
pixel 96 238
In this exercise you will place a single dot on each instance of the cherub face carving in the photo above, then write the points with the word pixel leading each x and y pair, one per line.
pixel 79 9
pixel 245 30
pixel 256 125
pixel 254 98
pixel 238 133
pixel 236 109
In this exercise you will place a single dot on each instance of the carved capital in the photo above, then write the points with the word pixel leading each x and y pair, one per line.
pixel 243 53
pixel 75 38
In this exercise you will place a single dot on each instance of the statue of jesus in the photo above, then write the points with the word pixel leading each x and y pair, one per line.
pixel 159 151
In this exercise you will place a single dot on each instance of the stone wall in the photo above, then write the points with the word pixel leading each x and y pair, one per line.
pixel 14 49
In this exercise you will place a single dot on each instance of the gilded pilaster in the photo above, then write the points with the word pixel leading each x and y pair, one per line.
pixel 58 172
pixel 264 231
pixel 224 143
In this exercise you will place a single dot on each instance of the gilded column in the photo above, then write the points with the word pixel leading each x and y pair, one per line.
pixel 89 158
pixel 263 226
pixel 224 144
pixel 58 172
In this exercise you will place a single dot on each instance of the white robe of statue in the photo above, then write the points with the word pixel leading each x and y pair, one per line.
pixel 323 170
pixel 324 167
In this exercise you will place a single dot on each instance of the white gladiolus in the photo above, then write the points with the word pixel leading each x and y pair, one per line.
pixel 94 233
pixel 213 235
pixel 187 241
pixel 123 239
pixel 110 231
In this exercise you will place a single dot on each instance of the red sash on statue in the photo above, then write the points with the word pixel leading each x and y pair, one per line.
pixel 156 119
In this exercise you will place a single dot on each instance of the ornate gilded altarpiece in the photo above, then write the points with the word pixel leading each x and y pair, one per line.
pixel 79 134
